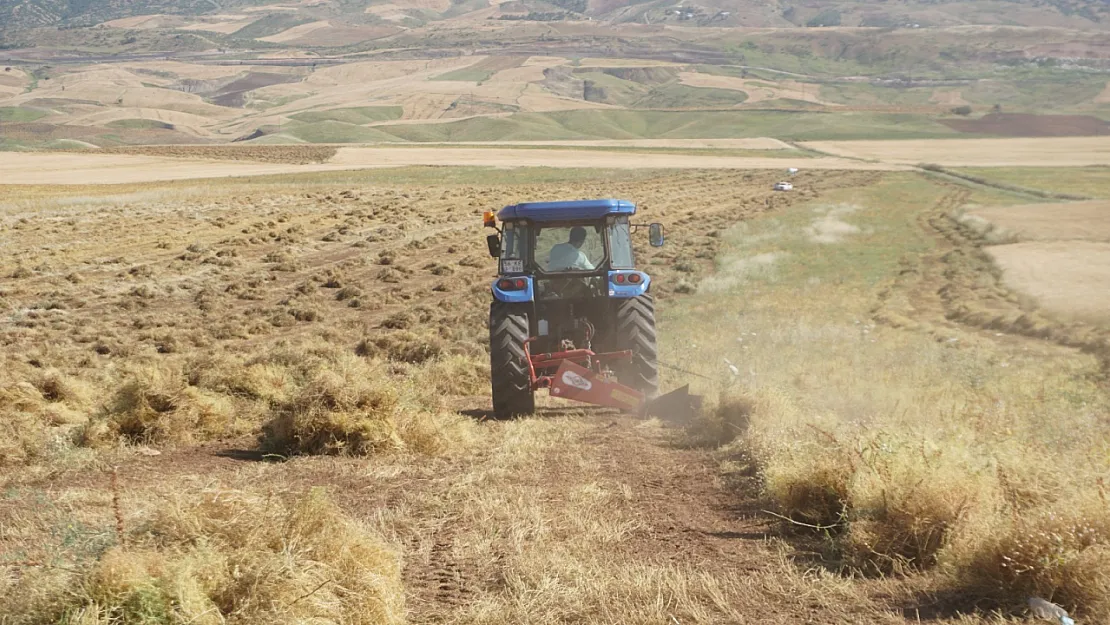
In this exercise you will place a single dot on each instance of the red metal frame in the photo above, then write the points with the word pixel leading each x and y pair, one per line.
pixel 582 357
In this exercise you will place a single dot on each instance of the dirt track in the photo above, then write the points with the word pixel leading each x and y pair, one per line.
pixel 52 168
pixel 1039 152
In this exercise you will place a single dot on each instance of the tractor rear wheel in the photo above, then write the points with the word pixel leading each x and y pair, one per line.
pixel 636 331
pixel 509 377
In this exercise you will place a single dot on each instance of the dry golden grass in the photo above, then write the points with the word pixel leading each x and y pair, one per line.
pixel 928 446
pixel 224 556
pixel 350 406
pixel 918 453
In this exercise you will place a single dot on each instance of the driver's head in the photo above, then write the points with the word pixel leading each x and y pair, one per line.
pixel 577 236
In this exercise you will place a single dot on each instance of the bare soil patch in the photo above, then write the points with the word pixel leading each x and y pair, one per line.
pixel 1027 125
pixel 1068 278
pixel 234 94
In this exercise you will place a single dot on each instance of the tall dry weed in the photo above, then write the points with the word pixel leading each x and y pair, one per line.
pixel 1060 551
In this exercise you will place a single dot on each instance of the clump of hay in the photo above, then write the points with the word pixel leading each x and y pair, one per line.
pixel 402 346
pixel 226 556
pixel 155 405
pixel 353 406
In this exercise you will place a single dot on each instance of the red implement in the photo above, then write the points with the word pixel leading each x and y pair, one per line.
pixel 580 384
pixel 579 376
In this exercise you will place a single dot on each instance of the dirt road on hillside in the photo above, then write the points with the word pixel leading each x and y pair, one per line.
pixel 68 168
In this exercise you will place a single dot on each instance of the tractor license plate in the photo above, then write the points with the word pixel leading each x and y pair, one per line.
pixel 575 382
pixel 512 266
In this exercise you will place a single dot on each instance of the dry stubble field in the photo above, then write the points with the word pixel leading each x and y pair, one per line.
pixel 232 401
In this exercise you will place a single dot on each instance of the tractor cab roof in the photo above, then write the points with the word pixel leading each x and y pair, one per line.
pixel 567 211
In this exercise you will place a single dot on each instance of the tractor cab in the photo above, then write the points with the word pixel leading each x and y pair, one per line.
pixel 568 249
pixel 570 311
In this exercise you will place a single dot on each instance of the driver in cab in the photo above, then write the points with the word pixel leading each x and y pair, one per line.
pixel 569 256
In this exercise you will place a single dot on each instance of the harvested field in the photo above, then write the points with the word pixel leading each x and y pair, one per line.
pixel 179 331
pixel 292 154
pixel 1026 125
pixel 328 34
pixel 1062 259
pixel 1072 221
pixel 1070 279
pixel 43 168
pixel 296 32
pixel 509 157
pixel 183 314
pixel 145 22
pixel 1038 152
pixel 224 27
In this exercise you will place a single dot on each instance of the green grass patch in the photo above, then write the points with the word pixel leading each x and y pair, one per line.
pixel 140 124
pixel 1037 91
pixel 20 114
pixel 677 96
pixel 336 132
pixel 354 115
pixel 1084 181
pixel 864 94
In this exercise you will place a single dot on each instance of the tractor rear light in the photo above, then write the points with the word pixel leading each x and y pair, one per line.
pixel 508 284
pixel 635 278
pixel 619 279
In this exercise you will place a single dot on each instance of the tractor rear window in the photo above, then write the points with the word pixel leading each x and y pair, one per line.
pixel 620 245
pixel 569 248
pixel 514 241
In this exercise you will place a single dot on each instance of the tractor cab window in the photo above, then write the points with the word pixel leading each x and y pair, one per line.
pixel 514 247
pixel 569 248
pixel 620 244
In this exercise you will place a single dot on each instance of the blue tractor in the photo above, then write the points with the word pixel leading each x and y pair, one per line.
pixel 570 311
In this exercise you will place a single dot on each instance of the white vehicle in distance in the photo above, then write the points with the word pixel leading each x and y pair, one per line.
pixel 784 186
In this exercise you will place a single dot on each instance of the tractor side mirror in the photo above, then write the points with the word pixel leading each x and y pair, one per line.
pixel 655 235
pixel 493 242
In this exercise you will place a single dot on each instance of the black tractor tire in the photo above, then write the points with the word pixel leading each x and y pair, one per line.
pixel 636 331
pixel 509 378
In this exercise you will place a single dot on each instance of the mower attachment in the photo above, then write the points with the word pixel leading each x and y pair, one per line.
pixel 580 384
pixel 580 377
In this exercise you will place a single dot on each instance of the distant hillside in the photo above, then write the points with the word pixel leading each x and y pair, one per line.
pixel 868 13
pixel 1079 14
pixel 16 14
